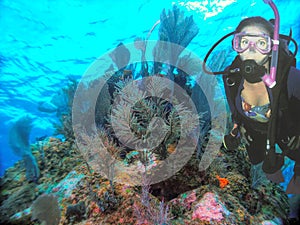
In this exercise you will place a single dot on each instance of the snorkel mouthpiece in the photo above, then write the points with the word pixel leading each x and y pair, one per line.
pixel 270 79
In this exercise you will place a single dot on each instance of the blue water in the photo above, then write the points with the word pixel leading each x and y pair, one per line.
pixel 46 42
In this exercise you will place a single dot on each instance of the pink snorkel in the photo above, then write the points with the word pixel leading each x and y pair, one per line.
pixel 270 79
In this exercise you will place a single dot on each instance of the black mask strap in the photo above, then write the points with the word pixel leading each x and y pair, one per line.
pixel 210 51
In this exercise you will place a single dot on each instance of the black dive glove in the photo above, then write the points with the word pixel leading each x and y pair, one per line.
pixel 232 140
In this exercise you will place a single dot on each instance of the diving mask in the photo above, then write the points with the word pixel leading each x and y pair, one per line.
pixel 243 41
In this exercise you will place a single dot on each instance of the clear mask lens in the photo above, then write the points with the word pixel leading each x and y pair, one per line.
pixel 243 41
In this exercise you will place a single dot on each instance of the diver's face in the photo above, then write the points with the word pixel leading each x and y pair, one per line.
pixel 254 43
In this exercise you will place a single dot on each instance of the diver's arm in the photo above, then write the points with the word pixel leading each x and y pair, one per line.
pixel 294 83
pixel 294 106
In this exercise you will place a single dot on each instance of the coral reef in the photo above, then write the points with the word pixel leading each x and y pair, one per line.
pixel 88 198
pixel 18 193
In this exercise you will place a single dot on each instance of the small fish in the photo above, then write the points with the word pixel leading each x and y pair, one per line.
pixel 41 138
pixel 47 107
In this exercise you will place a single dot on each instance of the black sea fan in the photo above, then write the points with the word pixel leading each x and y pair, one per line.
pixel 120 55
pixel 177 29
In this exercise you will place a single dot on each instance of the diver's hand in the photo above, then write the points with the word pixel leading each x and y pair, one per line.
pixel 232 141
pixel 294 142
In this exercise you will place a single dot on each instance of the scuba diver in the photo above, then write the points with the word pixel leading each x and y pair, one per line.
pixel 262 87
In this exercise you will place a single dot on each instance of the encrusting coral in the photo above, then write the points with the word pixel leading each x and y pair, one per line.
pixel 223 181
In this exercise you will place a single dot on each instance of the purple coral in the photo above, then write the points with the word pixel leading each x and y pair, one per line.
pixel 209 208
pixel 46 208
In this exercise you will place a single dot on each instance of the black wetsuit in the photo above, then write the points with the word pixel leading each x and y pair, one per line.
pixel 287 119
